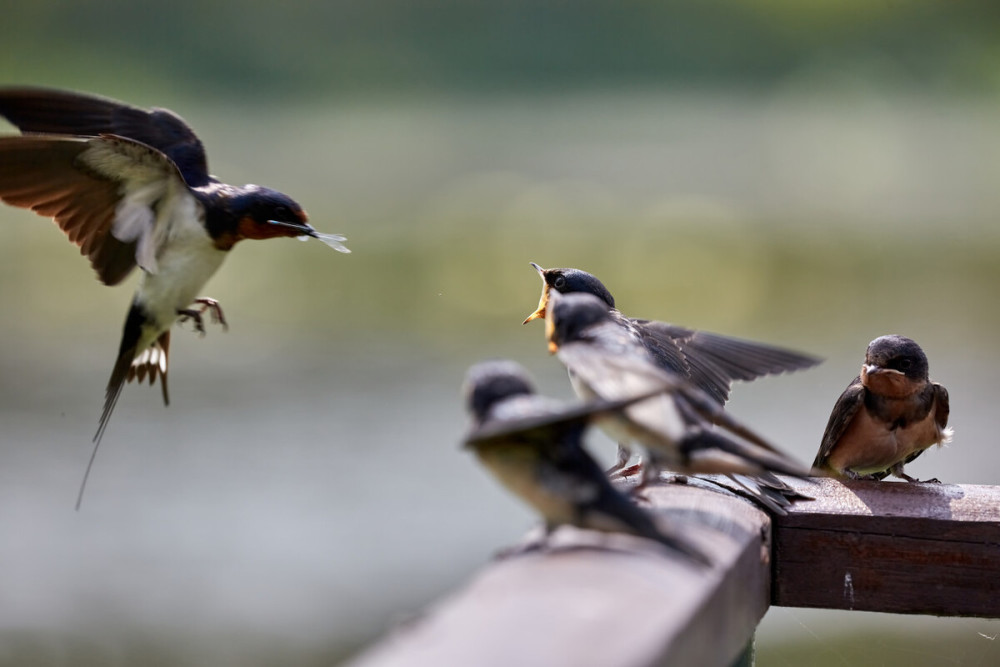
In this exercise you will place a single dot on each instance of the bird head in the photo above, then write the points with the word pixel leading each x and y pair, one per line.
pixel 568 281
pixel 894 366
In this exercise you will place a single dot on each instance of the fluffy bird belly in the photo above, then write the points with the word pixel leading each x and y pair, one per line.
pixel 183 270
pixel 869 447
pixel 519 471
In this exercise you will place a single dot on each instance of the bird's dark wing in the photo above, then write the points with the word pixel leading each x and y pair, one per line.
pixel 598 505
pixel 100 191
pixel 943 407
pixel 713 362
pixel 44 111
pixel 551 420
pixel 844 411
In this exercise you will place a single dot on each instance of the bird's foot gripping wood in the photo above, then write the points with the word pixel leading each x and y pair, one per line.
pixel 850 474
pixel 621 460
pixel 195 314
pixel 897 470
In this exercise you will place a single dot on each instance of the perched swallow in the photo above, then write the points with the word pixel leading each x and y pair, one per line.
pixel 533 445
pixel 712 362
pixel 677 428
pixel 888 415
pixel 131 187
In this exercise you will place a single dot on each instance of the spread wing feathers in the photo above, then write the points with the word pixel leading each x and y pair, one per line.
pixel 713 362
pixel 41 174
pixel 549 418
pixel 844 411
pixel 153 362
pixel 39 110
pixel 102 192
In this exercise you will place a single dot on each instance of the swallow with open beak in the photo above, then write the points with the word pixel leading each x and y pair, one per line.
pixel 533 445
pixel 888 415
pixel 684 429
pixel 712 362
pixel 131 188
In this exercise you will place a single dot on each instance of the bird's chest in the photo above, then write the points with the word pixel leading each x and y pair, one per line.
pixel 186 261
pixel 887 434
pixel 524 475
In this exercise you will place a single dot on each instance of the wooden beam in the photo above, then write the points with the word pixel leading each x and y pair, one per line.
pixel 628 603
pixel 891 547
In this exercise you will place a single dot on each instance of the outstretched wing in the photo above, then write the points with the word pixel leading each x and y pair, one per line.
pixel 102 192
pixel 712 361
pixel 548 418
pixel 45 111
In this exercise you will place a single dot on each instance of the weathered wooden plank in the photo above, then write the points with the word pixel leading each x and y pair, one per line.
pixel 631 605
pixel 891 547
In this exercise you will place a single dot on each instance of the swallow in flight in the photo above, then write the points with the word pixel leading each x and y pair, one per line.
pixel 533 445
pixel 131 188
pixel 887 416
pixel 684 429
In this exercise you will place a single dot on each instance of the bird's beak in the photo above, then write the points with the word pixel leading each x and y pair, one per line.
pixel 543 301
pixel 303 228
pixel 306 231
pixel 550 324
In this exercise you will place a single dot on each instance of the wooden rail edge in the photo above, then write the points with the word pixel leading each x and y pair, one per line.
pixel 605 601
pixel 891 547
pixel 615 601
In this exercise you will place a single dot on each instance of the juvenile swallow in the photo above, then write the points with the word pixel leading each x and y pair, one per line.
pixel 887 416
pixel 684 429
pixel 131 188
pixel 533 445
pixel 711 361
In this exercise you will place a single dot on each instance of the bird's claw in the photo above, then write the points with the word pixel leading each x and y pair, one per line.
pixel 210 305
pixel 213 307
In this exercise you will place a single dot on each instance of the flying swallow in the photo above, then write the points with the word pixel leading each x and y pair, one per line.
pixel 684 429
pixel 131 188
pixel 887 416
pixel 533 445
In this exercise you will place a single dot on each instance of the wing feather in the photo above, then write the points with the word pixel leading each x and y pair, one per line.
pixel 46 111
pixel 712 361
pixel 844 411
pixel 83 184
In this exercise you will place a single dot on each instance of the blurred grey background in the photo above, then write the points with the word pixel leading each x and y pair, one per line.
pixel 810 174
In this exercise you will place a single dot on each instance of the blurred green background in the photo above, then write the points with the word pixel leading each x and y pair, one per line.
pixel 811 174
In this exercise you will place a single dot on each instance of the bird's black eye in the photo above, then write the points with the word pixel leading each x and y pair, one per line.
pixel 559 282
pixel 280 212
pixel 905 364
